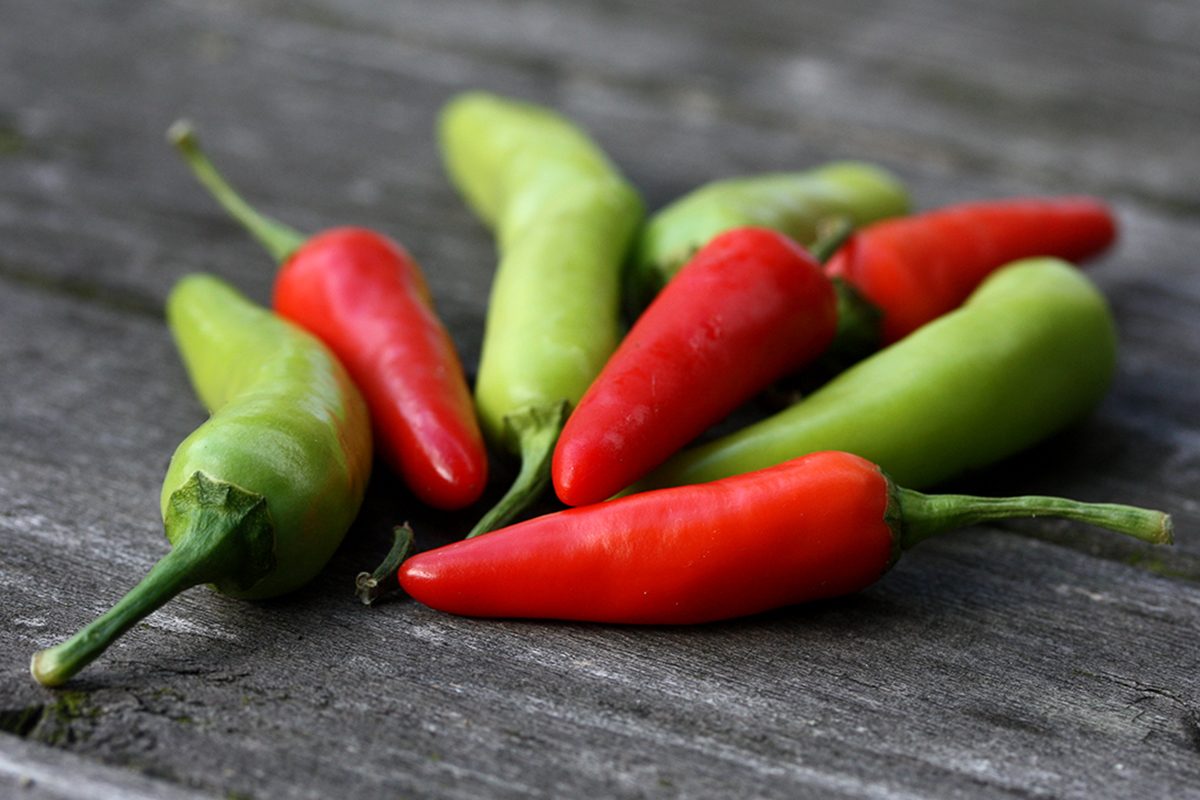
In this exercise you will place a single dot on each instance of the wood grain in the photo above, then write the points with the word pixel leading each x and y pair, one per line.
pixel 1032 659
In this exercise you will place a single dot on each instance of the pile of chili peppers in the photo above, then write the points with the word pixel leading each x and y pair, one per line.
pixel 934 343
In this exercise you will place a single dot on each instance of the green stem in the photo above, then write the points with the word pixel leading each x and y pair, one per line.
pixel 857 336
pixel 921 515
pixel 832 233
pixel 170 576
pixel 535 429
pixel 858 324
pixel 370 586
pixel 278 239
pixel 220 534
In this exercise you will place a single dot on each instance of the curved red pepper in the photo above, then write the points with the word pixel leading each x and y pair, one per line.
pixel 364 296
pixel 750 307
pixel 915 269
pixel 819 526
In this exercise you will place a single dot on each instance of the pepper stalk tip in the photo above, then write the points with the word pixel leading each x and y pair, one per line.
pixel 182 133
pixel 370 586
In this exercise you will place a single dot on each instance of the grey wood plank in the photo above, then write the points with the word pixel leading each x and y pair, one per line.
pixel 1036 659
pixel 321 70
pixel 33 772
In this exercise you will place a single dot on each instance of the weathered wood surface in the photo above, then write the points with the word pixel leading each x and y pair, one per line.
pixel 1031 660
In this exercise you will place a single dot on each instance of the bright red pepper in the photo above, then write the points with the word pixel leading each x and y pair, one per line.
pixel 915 269
pixel 819 526
pixel 365 297
pixel 749 307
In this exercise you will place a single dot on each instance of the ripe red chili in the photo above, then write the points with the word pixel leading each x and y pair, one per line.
pixel 819 526
pixel 750 307
pixel 915 269
pixel 365 297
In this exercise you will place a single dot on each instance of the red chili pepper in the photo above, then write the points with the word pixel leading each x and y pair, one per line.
pixel 365 297
pixel 819 526
pixel 750 307
pixel 915 269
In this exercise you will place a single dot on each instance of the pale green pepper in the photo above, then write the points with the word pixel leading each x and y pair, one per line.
pixel 564 220
pixel 793 203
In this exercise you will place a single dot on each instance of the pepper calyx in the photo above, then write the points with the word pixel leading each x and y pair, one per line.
pixel 223 531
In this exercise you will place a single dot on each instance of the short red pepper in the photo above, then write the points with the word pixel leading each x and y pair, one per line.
pixel 750 307
pixel 818 526
pixel 365 297
pixel 917 268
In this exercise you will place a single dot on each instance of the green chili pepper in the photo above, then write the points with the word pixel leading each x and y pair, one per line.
pixel 1030 352
pixel 257 499
pixel 564 220
pixel 794 203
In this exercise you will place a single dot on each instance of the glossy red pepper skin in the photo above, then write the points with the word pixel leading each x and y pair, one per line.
pixel 749 307
pixel 810 528
pixel 365 297
pixel 915 269
pixel 818 526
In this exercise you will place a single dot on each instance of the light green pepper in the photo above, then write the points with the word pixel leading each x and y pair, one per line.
pixel 1031 351
pixel 794 203
pixel 564 220
pixel 257 499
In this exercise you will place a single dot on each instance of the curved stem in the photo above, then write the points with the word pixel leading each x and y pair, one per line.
pixel 370 586
pixel 857 336
pixel 832 233
pixel 536 430
pixel 859 324
pixel 278 239
pixel 923 515
pixel 170 576
pixel 220 534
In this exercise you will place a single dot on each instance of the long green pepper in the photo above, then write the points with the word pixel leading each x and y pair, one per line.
pixel 1031 351
pixel 564 220
pixel 255 500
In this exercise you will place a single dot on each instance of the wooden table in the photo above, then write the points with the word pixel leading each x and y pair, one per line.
pixel 1032 659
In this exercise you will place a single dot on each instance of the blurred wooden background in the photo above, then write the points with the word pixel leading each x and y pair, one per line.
pixel 1033 659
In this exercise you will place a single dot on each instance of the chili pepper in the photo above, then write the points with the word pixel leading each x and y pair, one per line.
pixel 255 500
pixel 794 203
pixel 563 219
pixel 914 269
pixel 819 526
pixel 750 307
pixel 1031 351
pixel 365 297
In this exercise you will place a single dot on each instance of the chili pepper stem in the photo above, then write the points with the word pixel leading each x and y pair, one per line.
pixel 220 533
pixel 832 233
pixel 922 516
pixel 859 322
pixel 535 430
pixel 278 239
pixel 370 586
pixel 859 332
